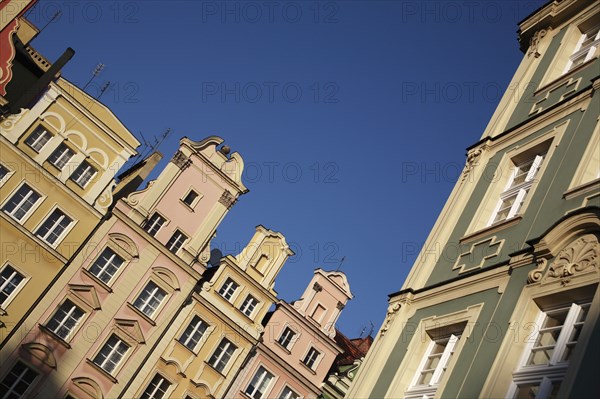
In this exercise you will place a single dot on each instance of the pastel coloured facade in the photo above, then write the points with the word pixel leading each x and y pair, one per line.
pixel 218 329
pixel 503 300
pixel 298 346
pixel 113 303
pixel 60 155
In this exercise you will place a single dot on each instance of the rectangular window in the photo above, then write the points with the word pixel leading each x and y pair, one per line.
pixel 190 198
pixel 18 381
pixel 433 366
pixel 222 355
pixel 154 224
pixel 10 281
pixel 150 299
pixel 311 357
pixel 53 227
pixel 111 354
pixel 38 139
pixel 249 305
pixel 157 389
pixel 61 156
pixel 21 202
pixel 106 265
pixel 518 187
pixel 176 241
pixel 64 321
pixel 3 172
pixel 228 289
pixel 287 337
pixel 193 333
pixel 83 174
pixel 287 393
pixel 259 384
pixel 585 49
pixel 548 355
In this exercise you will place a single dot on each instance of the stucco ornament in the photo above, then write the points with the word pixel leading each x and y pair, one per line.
pixel 227 199
pixel 577 257
pixel 391 311
pixel 534 42
pixel 106 198
pixel 182 161
pixel 471 162
pixel 9 123
pixel 536 275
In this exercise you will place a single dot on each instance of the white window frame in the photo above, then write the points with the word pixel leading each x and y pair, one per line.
pixel 249 304
pixel 62 319
pixel 42 132
pixel 262 379
pixel 150 224
pixel 416 390
pixel 288 393
pixel 589 50
pixel 33 207
pixel 228 289
pixel 519 191
pixel 152 394
pixel 143 304
pixel 176 243
pixel 60 162
pixel 102 271
pixel 291 340
pixel 216 360
pixel 19 378
pixel 313 360
pixel 555 370
pixel 85 166
pixel 193 203
pixel 55 225
pixel 7 175
pixel 112 352
pixel 18 287
pixel 192 329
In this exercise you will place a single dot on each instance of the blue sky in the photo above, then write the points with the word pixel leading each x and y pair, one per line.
pixel 352 116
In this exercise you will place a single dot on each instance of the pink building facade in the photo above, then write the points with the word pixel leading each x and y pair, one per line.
pixel 298 346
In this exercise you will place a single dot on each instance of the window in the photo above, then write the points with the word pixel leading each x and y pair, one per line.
pixel 585 49
pixel 10 281
pixel 21 202
pixel 106 265
pixel 83 174
pixel 318 313
pixel 150 299
pixel 111 354
pixel 61 156
pixel 3 173
pixel 18 381
pixel 190 198
pixel 311 357
pixel 287 393
pixel 547 356
pixel 38 139
pixel 432 367
pixel 154 224
pixel 53 227
pixel 193 333
pixel 228 289
pixel 518 187
pixel 259 384
pixel 66 318
pixel 157 389
pixel 221 357
pixel 287 337
pixel 176 241
pixel 249 304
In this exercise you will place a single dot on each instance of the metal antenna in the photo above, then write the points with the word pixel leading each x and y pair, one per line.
pixel 372 328
pixel 103 89
pixel 95 73
pixel 56 15
pixel 340 265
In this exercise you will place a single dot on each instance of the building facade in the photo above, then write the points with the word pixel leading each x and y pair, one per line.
pixel 61 150
pixel 503 299
pixel 112 304
pixel 298 347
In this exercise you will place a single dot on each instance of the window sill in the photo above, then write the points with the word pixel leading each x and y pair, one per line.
pixel 307 368
pixel 214 369
pixel 486 231
pixel 289 352
pixel 582 189
pixel 49 332
pixel 141 314
pixel 554 83
pixel 188 207
pixel 102 371
pixel 186 347
pixel 97 280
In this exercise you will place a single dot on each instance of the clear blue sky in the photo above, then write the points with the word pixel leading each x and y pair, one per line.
pixel 352 116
